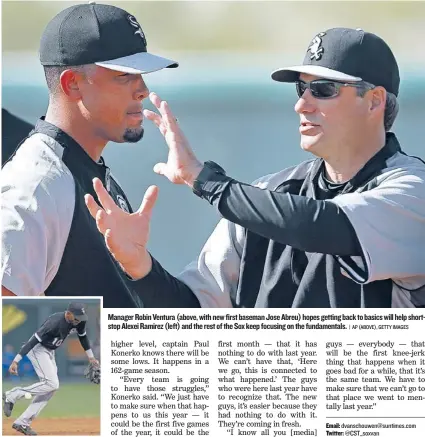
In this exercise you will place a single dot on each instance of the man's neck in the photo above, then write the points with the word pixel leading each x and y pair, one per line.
pixel 343 168
pixel 77 127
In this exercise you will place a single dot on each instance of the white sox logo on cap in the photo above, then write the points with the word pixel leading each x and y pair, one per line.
pixel 132 20
pixel 316 48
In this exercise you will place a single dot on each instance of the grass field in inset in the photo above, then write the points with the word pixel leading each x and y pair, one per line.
pixel 71 400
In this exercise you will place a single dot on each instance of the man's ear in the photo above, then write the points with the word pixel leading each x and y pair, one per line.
pixel 378 98
pixel 69 82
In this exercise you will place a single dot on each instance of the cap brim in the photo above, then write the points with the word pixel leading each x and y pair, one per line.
pixel 139 63
pixel 291 74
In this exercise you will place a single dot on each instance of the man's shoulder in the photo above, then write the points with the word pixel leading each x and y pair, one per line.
pixel 406 161
pixel 402 167
pixel 296 172
pixel 400 184
pixel 37 157
pixel 54 319
pixel 37 170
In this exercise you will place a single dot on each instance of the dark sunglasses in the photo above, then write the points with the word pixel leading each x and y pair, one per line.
pixel 325 89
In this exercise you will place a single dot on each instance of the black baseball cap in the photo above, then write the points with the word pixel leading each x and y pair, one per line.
pixel 350 55
pixel 98 34
pixel 78 310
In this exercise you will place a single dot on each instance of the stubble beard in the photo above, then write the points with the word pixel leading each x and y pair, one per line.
pixel 133 135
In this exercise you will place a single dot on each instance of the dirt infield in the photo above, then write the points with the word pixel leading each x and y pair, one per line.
pixel 65 426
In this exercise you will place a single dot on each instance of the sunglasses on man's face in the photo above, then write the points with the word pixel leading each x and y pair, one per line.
pixel 323 88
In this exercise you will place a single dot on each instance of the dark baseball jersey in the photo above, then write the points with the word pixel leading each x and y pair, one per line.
pixel 296 240
pixel 50 242
pixel 55 329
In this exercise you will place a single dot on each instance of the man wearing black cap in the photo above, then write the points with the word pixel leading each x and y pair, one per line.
pixel 93 57
pixel 343 230
pixel 41 352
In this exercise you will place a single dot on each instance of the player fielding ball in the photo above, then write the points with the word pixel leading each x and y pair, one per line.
pixel 40 349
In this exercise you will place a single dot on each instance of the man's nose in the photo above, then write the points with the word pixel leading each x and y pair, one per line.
pixel 306 103
pixel 142 91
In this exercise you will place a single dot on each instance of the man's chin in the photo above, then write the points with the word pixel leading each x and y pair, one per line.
pixel 310 143
pixel 133 135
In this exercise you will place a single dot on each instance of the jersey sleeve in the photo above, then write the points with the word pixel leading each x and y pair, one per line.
pixel 37 204
pixel 82 336
pixel 81 329
pixel 213 276
pixel 29 345
pixel 389 222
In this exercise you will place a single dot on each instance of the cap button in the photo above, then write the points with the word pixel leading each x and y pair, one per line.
pixel 92 3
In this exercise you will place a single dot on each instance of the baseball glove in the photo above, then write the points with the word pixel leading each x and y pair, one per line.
pixel 92 373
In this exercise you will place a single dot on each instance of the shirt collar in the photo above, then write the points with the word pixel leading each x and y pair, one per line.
pixel 373 166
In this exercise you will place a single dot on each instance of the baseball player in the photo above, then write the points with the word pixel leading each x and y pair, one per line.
pixel 40 349
pixel 50 246
pixel 346 229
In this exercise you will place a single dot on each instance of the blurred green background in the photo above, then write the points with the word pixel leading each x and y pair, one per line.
pixel 229 108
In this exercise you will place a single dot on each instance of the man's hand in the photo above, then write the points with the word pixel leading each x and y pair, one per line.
pixel 93 361
pixel 126 235
pixel 182 167
pixel 92 371
pixel 13 368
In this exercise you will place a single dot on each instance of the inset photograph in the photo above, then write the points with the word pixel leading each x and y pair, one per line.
pixel 51 366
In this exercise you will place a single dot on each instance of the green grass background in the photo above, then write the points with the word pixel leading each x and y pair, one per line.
pixel 71 400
